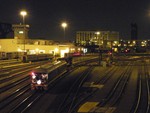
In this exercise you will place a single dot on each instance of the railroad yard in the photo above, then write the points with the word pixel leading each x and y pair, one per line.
pixel 86 87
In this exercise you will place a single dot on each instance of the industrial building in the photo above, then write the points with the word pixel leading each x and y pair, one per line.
pixel 21 43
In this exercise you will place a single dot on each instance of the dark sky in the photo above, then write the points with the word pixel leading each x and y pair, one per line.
pixel 45 16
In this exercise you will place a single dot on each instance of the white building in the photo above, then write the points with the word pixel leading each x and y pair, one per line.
pixel 22 43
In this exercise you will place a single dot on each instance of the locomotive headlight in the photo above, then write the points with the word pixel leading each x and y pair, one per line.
pixel 39 82
pixel 33 76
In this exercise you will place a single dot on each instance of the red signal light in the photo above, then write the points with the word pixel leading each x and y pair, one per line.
pixel 110 53
pixel 32 73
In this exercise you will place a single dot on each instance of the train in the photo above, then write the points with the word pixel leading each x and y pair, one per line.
pixel 36 57
pixel 39 79
pixel 24 57
pixel 10 55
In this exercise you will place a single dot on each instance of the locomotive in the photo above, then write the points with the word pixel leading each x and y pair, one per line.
pixel 39 79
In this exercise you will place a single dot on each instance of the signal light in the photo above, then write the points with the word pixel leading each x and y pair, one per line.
pixel 110 53
pixel 32 73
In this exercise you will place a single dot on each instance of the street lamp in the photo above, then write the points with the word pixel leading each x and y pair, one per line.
pixel 64 25
pixel 23 14
pixel 100 55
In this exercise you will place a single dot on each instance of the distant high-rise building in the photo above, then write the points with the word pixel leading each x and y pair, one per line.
pixel 134 31
pixel 101 38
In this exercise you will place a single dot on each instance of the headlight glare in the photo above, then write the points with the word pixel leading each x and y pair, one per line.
pixel 39 82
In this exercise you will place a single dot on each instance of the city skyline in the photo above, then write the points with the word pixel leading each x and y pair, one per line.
pixel 45 18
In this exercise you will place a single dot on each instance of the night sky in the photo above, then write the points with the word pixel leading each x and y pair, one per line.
pixel 45 16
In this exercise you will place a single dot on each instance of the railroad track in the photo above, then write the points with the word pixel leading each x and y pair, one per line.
pixel 51 85
pixel 19 89
pixel 68 101
pixel 6 102
pixel 14 78
pixel 84 96
pixel 15 67
pixel 9 62
pixel 142 102
pixel 22 93
pixel 114 95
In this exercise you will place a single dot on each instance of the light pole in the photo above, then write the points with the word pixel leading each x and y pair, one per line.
pixel 98 33
pixel 64 25
pixel 23 14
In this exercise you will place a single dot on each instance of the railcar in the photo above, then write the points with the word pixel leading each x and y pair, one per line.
pixel 9 55
pixel 39 57
pixel 3 55
pixel 75 54
pixel 39 79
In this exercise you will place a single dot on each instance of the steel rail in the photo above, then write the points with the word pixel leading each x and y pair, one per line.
pixel 102 80
pixel 18 70
pixel 148 89
pixel 24 102
pixel 13 84
pixel 15 95
pixel 141 95
pixel 25 76
pixel 112 98
pixel 77 83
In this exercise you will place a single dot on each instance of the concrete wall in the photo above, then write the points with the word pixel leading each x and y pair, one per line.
pixel 8 45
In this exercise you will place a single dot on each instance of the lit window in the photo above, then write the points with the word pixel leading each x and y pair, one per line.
pixel 115 42
pixel 19 50
pixel 20 32
pixel 56 50
pixel 133 42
